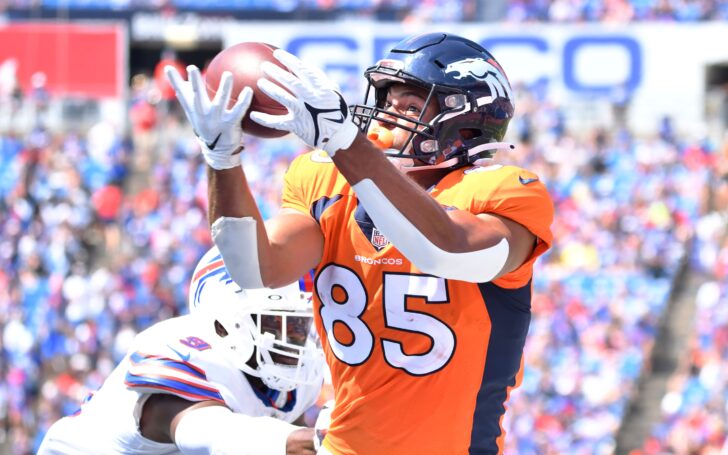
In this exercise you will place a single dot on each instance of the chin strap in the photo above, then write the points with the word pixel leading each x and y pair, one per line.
pixel 454 161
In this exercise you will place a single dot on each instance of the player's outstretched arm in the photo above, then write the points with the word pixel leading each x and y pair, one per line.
pixel 255 257
pixel 208 428
pixel 288 245
pixel 451 244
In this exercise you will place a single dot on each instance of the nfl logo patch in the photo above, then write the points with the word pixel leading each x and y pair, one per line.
pixel 378 239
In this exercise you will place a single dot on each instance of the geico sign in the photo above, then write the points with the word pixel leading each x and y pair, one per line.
pixel 567 50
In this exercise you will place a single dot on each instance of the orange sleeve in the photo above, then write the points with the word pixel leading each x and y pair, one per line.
pixel 293 190
pixel 529 205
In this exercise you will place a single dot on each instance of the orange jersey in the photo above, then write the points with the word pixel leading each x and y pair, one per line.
pixel 419 364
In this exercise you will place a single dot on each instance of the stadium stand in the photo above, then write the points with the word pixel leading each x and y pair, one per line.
pixel 626 210
pixel 518 11
pixel 694 406
pixel 626 207
pixel 100 233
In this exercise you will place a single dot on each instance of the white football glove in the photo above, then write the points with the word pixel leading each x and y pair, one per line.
pixel 317 113
pixel 217 128
pixel 321 428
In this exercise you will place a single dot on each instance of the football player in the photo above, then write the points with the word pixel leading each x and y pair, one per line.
pixel 226 379
pixel 423 252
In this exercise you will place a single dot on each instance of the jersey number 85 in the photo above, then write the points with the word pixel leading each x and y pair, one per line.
pixel 397 287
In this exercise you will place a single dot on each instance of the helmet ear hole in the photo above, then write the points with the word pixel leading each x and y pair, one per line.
pixel 220 330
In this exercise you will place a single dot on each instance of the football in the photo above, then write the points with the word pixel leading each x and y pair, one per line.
pixel 243 60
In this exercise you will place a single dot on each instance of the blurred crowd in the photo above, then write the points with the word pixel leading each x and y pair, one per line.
pixel 626 208
pixel 54 323
pixel 620 11
pixel 695 405
pixel 101 231
pixel 99 236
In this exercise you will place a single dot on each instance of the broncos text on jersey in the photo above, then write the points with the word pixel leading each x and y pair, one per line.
pixel 420 364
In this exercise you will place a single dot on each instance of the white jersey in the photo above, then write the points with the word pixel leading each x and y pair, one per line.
pixel 170 357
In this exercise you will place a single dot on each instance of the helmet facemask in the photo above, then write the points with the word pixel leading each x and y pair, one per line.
pixel 287 349
pixel 363 116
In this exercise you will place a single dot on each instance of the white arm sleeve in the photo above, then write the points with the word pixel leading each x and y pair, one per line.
pixel 474 266
pixel 237 240
pixel 219 431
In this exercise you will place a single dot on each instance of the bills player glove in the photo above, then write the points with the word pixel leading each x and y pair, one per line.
pixel 217 128
pixel 317 113
pixel 321 428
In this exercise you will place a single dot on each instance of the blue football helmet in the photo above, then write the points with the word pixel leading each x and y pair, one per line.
pixel 470 87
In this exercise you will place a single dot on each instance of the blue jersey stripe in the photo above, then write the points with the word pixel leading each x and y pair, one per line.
pixel 174 386
pixel 509 311
pixel 319 207
pixel 138 358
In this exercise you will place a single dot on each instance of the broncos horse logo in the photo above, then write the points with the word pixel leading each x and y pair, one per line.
pixel 483 70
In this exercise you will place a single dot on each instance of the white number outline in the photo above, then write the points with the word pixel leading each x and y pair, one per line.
pixel 392 350
pixel 331 306
pixel 390 346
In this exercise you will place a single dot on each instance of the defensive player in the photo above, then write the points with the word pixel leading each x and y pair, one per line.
pixel 423 254
pixel 226 379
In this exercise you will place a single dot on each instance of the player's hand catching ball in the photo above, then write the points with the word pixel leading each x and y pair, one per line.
pixel 217 127
pixel 317 113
